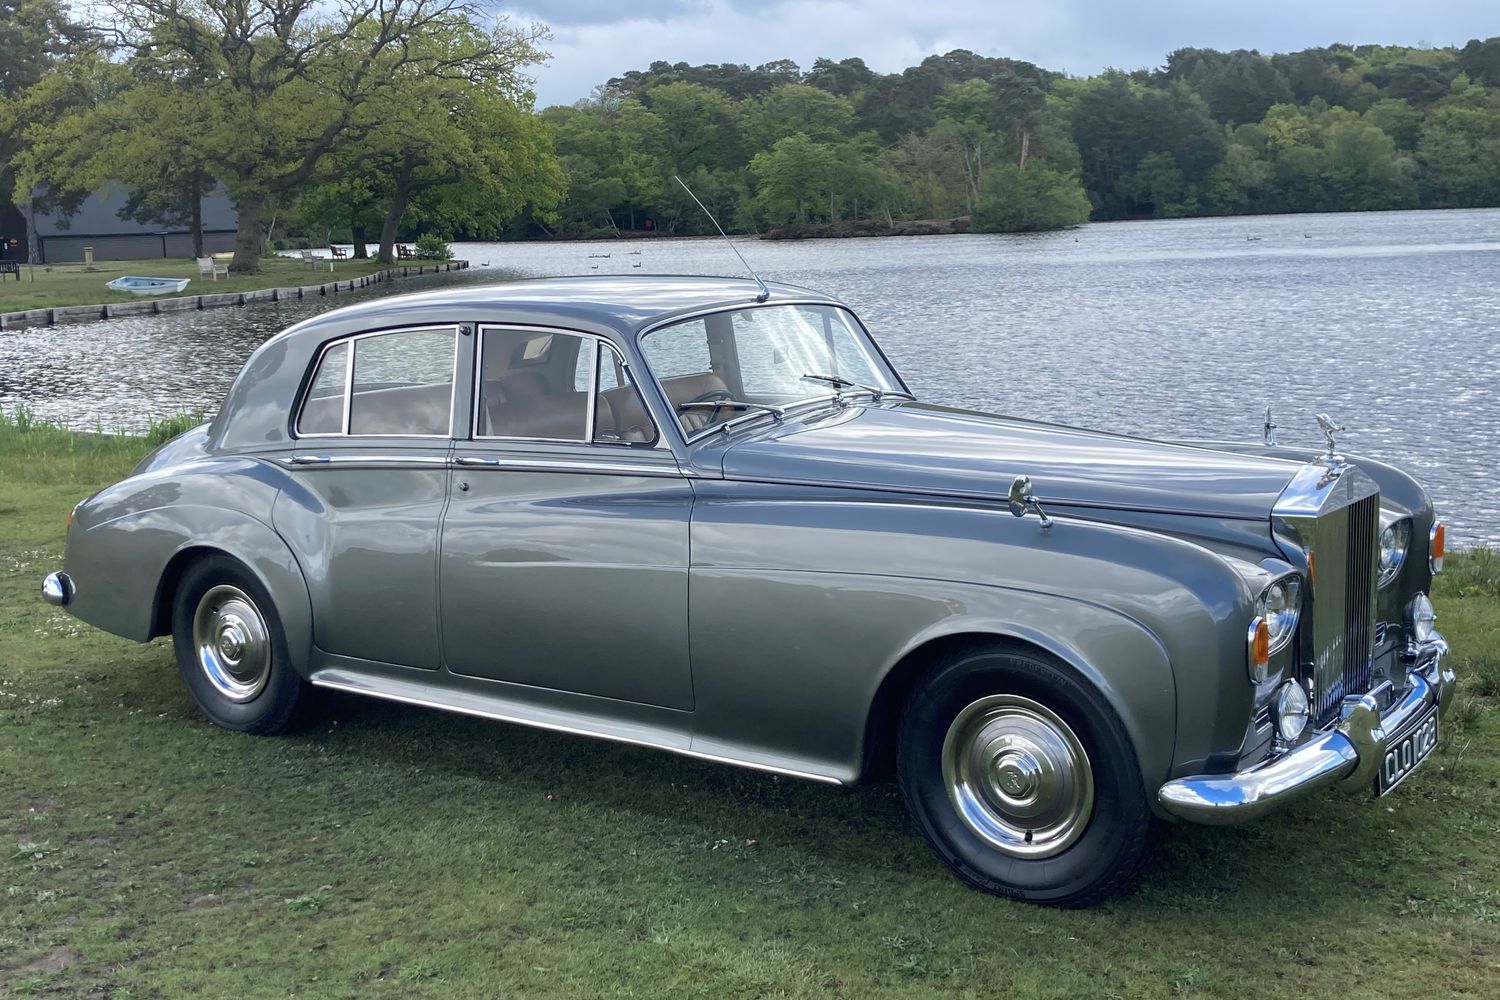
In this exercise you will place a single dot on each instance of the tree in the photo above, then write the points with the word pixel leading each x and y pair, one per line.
pixel 292 78
pixel 35 35
pixel 426 131
pixel 1460 148
pixel 794 174
pixel 1030 199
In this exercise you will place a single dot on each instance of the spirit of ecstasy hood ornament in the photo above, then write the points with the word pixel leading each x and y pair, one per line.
pixel 1325 423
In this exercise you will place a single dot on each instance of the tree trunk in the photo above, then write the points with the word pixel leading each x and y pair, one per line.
pixel 392 223
pixel 361 239
pixel 250 208
pixel 196 196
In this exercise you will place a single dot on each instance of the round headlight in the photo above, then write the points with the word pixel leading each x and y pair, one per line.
pixel 1393 542
pixel 1280 605
pixel 1291 710
pixel 1423 618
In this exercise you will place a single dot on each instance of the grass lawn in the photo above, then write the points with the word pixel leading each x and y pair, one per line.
pixel 71 285
pixel 385 851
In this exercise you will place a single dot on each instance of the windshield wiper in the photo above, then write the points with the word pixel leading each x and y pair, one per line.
pixel 840 383
pixel 732 404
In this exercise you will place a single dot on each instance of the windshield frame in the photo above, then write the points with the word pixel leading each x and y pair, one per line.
pixel 833 397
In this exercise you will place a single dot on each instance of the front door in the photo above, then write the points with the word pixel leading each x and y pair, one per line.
pixel 564 552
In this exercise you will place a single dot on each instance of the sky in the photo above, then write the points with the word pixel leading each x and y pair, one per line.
pixel 594 40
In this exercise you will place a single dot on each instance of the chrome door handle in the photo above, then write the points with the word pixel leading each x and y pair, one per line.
pixel 310 459
pixel 473 460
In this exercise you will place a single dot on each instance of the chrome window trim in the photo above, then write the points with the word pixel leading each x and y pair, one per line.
pixel 598 339
pixel 350 340
pixel 656 380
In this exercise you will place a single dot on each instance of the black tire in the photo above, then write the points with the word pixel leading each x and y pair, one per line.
pixel 1102 844
pixel 263 701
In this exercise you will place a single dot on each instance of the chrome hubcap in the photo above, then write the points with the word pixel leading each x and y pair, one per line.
pixel 232 643
pixel 1018 776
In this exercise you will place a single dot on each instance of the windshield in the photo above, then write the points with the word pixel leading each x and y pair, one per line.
pixel 763 358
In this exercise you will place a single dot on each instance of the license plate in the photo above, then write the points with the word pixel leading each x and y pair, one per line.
pixel 1407 750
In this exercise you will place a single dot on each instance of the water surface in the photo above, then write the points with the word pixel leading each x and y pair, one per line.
pixel 1388 321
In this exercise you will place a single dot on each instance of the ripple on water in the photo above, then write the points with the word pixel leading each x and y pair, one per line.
pixel 1169 329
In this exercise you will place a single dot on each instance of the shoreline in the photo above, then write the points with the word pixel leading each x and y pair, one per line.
pixel 59 315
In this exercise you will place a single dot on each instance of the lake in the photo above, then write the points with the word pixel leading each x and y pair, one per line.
pixel 1388 321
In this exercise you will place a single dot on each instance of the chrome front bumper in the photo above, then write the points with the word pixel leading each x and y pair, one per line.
pixel 1348 754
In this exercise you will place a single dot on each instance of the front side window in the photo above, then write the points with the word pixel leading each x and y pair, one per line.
pixel 549 386
pixel 398 384
pixel 775 355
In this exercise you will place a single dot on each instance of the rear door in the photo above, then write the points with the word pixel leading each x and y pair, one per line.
pixel 374 438
pixel 565 544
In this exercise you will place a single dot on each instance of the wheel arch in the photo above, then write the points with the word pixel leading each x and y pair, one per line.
pixel 1149 721
pixel 275 568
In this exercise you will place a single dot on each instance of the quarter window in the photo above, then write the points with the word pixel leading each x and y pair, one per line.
pixel 323 409
pixel 398 384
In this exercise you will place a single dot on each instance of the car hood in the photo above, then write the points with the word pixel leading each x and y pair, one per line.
pixel 917 447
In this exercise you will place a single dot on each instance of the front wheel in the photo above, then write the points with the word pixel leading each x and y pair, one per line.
pixel 230 648
pixel 1022 778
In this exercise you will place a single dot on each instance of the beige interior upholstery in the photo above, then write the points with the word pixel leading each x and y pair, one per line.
pixel 685 388
pixel 407 409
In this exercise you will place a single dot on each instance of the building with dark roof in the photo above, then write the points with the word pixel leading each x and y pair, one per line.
pixel 98 224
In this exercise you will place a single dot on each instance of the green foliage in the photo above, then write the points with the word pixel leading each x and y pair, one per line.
pixel 379 127
pixel 431 246
pixel 1029 199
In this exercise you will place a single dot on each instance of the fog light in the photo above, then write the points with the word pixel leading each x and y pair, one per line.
pixel 1423 618
pixel 1291 710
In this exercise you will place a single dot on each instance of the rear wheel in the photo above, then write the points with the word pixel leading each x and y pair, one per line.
pixel 1022 778
pixel 231 650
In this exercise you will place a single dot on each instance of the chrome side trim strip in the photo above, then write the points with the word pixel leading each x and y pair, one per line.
pixel 302 461
pixel 432 698
pixel 569 465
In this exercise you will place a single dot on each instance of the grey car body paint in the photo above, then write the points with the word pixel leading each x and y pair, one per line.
pixel 824 550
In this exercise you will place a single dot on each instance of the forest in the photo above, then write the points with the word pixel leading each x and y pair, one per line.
pixel 1019 148
pixel 383 120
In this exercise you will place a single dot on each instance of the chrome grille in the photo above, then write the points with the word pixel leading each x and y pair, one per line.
pixel 1345 606
pixel 1330 514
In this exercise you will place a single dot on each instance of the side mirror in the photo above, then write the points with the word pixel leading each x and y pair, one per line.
pixel 1022 500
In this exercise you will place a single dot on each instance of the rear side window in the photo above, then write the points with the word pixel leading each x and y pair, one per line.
pixel 398 384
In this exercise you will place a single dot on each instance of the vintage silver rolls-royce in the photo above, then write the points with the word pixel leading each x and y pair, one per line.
pixel 706 515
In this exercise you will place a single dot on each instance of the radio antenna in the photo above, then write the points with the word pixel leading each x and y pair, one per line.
pixel 765 293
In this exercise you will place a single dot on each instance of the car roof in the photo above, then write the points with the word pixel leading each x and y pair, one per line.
pixel 622 302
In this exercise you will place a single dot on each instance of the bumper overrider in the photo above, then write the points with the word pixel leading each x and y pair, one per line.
pixel 1348 754
pixel 57 589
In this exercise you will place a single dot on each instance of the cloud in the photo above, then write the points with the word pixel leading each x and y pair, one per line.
pixel 595 40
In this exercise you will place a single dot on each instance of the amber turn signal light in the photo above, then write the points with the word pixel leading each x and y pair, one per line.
pixel 1435 548
pixel 1260 649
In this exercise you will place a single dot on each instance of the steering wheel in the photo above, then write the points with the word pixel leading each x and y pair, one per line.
pixel 705 397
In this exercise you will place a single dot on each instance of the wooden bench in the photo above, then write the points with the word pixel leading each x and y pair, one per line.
pixel 338 252
pixel 10 267
pixel 404 252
